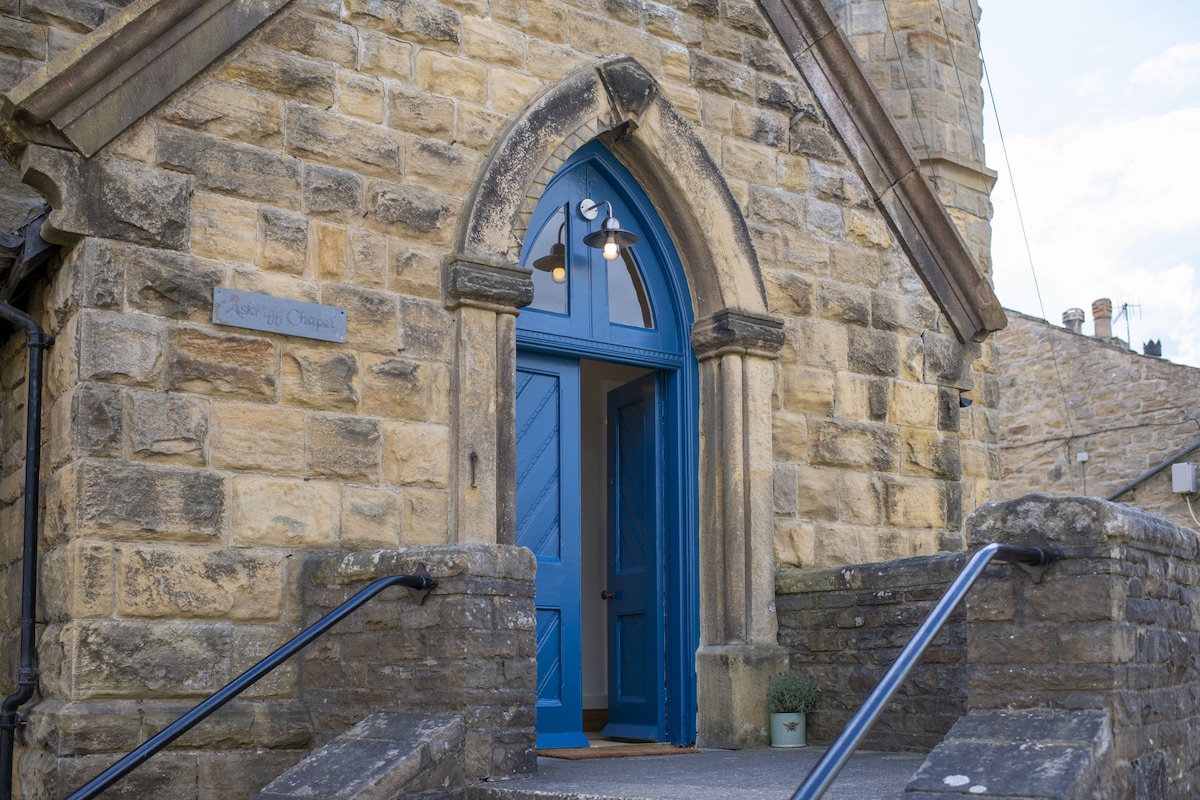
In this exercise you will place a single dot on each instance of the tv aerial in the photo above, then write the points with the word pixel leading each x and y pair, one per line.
pixel 1127 310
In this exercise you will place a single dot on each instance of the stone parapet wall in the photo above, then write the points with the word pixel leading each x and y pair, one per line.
pixel 469 649
pixel 1114 626
pixel 844 627
pixel 1063 393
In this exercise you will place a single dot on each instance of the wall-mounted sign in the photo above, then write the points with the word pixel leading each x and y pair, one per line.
pixel 260 312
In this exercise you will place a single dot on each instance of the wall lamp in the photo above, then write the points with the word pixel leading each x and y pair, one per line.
pixel 610 238
pixel 556 262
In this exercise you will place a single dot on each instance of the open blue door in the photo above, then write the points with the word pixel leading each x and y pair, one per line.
pixel 548 524
pixel 637 669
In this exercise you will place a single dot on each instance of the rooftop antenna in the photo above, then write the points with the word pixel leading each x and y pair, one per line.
pixel 1125 310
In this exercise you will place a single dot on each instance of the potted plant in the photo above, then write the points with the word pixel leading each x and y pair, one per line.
pixel 789 698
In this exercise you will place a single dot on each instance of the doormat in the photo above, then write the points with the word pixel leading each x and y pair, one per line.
pixel 616 751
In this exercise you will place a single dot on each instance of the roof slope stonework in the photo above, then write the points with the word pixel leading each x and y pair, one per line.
pixel 917 217
pixel 118 73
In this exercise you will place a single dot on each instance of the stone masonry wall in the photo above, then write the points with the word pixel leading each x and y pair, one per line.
pixel 1114 626
pixel 470 649
pixel 844 627
pixel 1127 411
pixel 924 59
pixel 856 411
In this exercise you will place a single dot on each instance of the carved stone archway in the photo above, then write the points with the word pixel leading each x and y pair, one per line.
pixel 734 339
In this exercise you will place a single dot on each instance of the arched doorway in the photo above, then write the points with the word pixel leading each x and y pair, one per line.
pixel 606 465
pixel 734 341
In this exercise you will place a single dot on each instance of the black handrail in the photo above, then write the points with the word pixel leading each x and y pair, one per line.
pixel 421 583
pixel 1034 559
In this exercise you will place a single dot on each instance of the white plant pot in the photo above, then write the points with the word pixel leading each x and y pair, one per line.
pixel 787 730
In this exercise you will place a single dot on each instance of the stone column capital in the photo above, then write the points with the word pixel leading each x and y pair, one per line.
pixel 734 331
pixel 493 285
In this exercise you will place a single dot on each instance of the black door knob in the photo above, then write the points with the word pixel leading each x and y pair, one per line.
pixel 605 594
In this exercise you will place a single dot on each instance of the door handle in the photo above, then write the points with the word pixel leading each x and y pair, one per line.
pixel 605 594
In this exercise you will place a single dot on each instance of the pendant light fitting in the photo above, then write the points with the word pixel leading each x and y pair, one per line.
pixel 611 237
pixel 556 262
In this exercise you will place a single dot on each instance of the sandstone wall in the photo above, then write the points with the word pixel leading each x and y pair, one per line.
pixel 468 649
pixel 1127 411
pixel 923 58
pixel 471 650
pixel 893 395
pixel 1114 627
pixel 843 627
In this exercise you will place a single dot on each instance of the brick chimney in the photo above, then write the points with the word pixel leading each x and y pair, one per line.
pixel 1073 320
pixel 1102 318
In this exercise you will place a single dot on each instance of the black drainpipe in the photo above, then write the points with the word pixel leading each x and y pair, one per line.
pixel 27 674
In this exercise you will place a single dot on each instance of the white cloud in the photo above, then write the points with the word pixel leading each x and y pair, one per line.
pixel 1090 84
pixel 1173 70
pixel 1109 212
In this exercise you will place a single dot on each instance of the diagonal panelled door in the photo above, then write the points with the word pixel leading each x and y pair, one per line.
pixel 548 524
pixel 637 669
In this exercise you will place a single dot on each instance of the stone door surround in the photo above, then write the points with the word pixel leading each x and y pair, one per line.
pixel 735 340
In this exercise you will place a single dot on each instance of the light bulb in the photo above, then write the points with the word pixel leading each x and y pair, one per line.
pixel 559 274
pixel 611 250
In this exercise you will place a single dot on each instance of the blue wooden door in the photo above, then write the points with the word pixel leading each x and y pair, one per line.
pixel 635 310
pixel 637 669
pixel 548 524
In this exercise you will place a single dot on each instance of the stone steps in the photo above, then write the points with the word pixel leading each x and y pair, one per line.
pixel 1046 755
pixel 385 757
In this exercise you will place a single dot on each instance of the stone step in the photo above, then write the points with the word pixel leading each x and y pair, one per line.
pixel 1038 754
pixel 384 757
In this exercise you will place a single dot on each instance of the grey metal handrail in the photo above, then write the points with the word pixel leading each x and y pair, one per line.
pixel 420 583
pixel 1034 559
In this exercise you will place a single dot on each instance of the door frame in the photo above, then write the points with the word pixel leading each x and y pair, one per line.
pixel 681 546
pixel 681 430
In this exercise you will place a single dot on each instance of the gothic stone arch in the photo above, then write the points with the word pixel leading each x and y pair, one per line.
pixel 734 339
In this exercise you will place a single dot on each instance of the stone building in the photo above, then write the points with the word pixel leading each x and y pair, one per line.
pixel 311 317
pixel 1085 415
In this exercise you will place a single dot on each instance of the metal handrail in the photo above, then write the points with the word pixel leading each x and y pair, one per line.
pixel 1034 559
pixel 421 583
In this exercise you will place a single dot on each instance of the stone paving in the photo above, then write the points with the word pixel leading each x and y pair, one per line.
pixel 752 774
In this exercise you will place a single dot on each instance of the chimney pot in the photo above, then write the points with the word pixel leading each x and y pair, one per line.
pixel 1073 319
pixel 1102 318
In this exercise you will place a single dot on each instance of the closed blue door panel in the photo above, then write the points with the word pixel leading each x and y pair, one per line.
pixel 637 672
pixel 548 524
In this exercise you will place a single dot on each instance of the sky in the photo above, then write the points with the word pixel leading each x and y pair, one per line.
pixel 1099 105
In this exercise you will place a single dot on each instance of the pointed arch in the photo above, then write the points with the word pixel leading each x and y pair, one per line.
pixel 619 101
